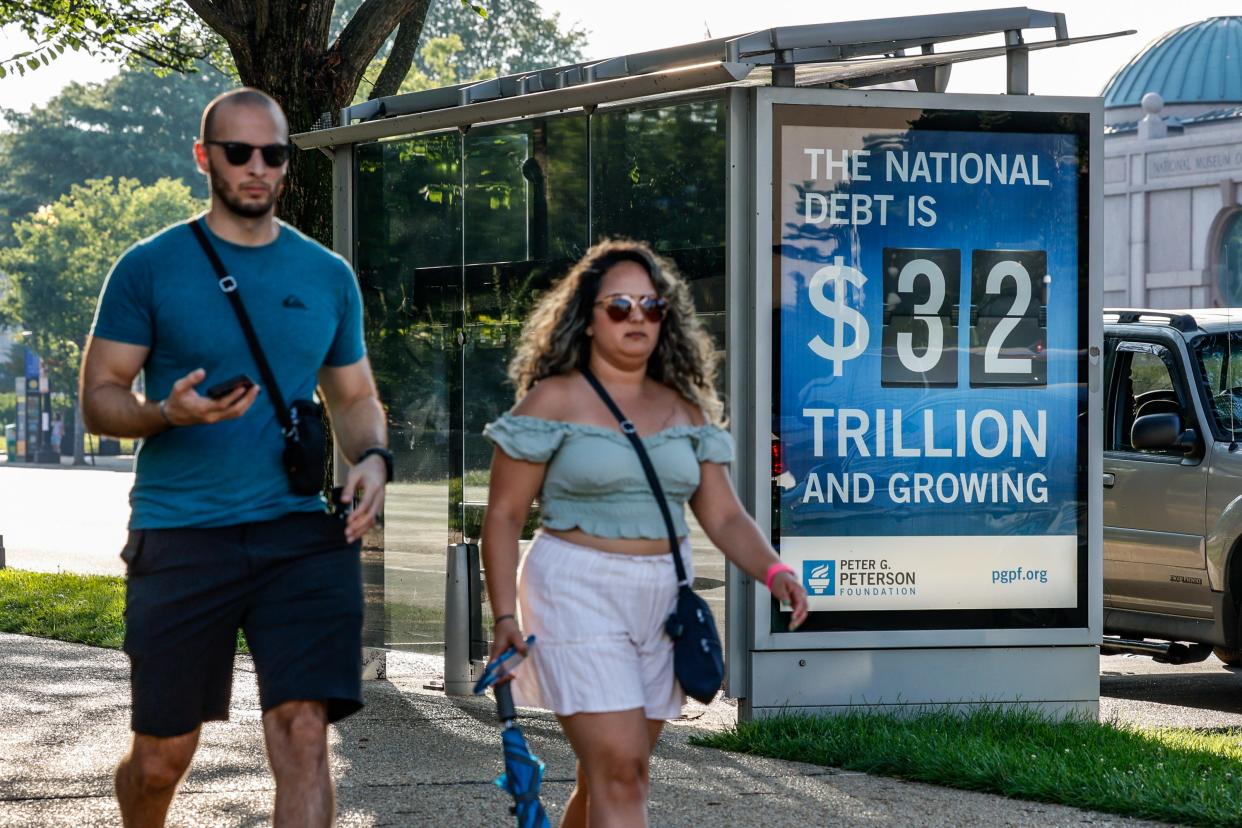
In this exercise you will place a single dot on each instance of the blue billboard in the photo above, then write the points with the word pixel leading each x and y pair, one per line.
pixel 929 395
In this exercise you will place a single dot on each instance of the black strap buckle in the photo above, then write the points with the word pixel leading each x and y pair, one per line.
pixel 228 284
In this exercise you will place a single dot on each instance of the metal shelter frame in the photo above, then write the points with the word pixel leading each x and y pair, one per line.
pixel 836 55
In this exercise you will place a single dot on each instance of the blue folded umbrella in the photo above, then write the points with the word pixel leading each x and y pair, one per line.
pixel 523 772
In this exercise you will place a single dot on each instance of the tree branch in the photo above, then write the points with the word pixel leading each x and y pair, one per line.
pixel 401 58
pixel 217 19
pixel 362 37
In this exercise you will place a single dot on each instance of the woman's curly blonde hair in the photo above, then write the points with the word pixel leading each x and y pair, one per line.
pixel 554 340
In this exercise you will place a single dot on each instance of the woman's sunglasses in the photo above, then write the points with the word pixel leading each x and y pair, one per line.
pixel 619 306
pixel 238 153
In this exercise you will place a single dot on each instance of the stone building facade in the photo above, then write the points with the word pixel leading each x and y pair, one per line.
pixel 1173 177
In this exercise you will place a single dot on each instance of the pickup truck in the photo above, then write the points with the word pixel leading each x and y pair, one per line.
pixel 1173 484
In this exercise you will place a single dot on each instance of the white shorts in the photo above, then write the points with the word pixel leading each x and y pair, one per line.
pixel 598 619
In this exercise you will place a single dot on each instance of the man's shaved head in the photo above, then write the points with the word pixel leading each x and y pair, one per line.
pixel 245 96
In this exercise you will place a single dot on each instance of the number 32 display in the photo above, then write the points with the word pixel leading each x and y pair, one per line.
pixel 926 365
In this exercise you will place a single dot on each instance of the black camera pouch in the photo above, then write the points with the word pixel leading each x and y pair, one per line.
pixel 302 421
pixel 305 447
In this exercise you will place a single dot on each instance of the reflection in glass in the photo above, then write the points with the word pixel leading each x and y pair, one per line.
pixel 408 236
pixel 456 237
pixel 1230 259
pixel 658 175
pixel 1220 359
pixel 526 222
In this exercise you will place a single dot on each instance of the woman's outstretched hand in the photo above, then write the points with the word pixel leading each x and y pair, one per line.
pixel 785 588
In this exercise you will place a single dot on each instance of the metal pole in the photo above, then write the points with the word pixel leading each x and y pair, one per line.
pixel 457 622
pixel 1017 65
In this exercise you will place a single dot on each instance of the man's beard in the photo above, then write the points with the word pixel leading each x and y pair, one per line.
pixel 249 210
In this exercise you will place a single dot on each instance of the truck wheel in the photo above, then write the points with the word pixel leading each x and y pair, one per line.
pixel 1231 657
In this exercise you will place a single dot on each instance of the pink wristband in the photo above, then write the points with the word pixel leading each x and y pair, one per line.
pixel 776 569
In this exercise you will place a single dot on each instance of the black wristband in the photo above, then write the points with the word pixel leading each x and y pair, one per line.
pixel 383 453
pixel 506 617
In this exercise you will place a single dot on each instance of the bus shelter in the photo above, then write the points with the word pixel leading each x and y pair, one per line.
pixel 902 284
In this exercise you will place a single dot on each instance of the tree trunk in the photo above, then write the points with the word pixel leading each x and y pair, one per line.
pixel 282 48
pixel 401 58
pixel 284 57
pixel 307 200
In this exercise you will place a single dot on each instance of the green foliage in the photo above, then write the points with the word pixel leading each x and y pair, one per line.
pixel 513 36
pixel 441 69
pixel 1180 776
pixel 85 609
pixel 472 41
pixel 163 33
pixel 135 125
pixel 63 252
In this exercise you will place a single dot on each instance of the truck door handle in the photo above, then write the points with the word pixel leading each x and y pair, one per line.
pixel 1109 480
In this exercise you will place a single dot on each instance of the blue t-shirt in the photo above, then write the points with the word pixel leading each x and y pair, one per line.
pixel 163 294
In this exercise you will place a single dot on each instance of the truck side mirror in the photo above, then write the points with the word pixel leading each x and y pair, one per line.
pixel 1156 432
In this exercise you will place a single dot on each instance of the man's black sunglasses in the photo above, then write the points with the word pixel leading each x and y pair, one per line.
pixel 238 153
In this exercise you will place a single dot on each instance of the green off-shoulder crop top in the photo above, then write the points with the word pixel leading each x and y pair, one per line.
pixel 594 480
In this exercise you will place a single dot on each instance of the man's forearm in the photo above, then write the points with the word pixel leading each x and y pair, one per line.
pixel 120 412
pixel 360 426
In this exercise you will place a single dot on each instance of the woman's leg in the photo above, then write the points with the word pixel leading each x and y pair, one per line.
pixel 613 751
pixel 575 815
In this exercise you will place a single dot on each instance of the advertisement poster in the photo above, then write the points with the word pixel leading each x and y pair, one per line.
pixel 929 397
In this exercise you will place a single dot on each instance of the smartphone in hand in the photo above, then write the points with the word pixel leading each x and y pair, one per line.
pixel 222 389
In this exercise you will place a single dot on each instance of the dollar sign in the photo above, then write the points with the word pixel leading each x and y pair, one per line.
pixel 839 312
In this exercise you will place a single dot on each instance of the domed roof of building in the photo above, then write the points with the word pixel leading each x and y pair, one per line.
pixel 1198 63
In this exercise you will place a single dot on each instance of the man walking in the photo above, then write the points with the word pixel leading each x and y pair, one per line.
pixel 218 539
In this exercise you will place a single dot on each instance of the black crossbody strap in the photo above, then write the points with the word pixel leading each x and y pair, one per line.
pixel 228 286
pixel 653 479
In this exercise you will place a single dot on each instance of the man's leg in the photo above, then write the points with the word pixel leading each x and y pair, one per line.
pixel 181 619
pixel 297 747
pixel 148 777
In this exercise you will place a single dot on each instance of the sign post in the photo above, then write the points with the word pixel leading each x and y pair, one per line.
pixel 931 324
pixel 33 405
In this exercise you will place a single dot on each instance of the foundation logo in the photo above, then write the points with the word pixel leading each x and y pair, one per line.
pixel 820 577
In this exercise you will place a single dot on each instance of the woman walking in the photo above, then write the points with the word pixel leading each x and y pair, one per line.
pixel 599 581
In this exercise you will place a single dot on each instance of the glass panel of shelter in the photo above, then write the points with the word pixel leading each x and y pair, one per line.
pixel 525 225
pixel 658 174
pixel 408 260
pixel 456 237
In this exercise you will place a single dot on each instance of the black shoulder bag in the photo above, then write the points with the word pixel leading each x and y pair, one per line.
pixel 301 422
pixel 698 661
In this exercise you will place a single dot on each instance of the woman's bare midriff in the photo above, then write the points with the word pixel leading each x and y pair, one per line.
pixel 622 546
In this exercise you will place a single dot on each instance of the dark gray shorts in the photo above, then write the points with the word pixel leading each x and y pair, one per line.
pixel 293 585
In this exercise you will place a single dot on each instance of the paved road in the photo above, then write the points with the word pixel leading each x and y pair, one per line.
pixel 67 518
pixel 74 519
pixel 414 758
pixel 1137 690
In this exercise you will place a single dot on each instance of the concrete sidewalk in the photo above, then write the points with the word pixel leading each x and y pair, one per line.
pixel 416 758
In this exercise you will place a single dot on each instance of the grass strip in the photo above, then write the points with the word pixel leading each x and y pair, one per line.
pixel 1184 776
pixel 85 609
